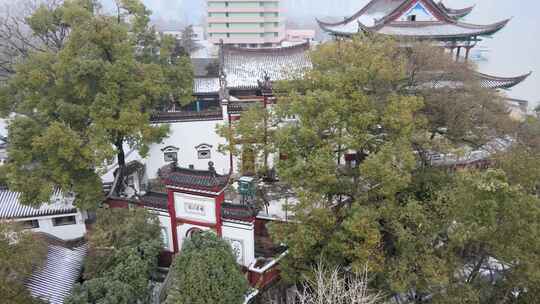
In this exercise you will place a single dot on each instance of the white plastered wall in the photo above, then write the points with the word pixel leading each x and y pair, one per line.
pixel 421 13
pixel 165 224
pixel 242 240
pixel 186 136
pixel 65 232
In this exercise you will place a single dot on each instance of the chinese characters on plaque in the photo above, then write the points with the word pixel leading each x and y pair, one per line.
pixel 194 208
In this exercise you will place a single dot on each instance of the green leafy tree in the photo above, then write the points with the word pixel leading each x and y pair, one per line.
pixel 250 139
pixel 382 105
pixel 206 272
pixel 20 253
pixel 124 247
pixel 188 44
pixel 522 162
pixel 77 108
pixel 492 240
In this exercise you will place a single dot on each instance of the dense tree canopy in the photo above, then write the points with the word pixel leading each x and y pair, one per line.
pixel 452 236
pixel 20 253
pixel 76 107
pixel 124 246
pixel 206 273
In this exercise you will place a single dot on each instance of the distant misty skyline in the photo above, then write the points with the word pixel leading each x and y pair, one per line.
pixel 513 51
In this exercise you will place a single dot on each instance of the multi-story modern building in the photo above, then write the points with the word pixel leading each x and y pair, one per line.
pixel 246 23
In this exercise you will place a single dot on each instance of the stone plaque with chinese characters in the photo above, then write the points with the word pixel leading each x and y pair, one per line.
pixel 195 208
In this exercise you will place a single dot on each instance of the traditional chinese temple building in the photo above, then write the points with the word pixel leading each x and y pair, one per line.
pixel 189 201
pixel 415 19
pixel 192 186
pixel 423 20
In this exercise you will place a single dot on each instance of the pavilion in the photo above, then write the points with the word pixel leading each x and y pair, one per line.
pixel 423 20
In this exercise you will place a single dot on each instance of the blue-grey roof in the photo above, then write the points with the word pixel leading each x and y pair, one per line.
pixel 11 207
pixel 54 281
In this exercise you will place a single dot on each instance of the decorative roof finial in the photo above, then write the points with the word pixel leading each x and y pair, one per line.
pixel 266 84
pixel 211 168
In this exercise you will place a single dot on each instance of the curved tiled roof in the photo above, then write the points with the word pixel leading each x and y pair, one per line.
pixel 379 16
pixel 244 67
pixel 10 206
pixel 456 13
pixel 203 180
pixel 169 117
pixel 155 200
pixel 496 82
pixel 486 81
pixel 371 13
pixel 256 61
pixel 54 281
pixel 438 30
pixel 495 145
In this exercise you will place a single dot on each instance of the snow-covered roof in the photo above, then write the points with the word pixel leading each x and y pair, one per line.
pixel 383 16
pixel 205 85
pixel 437 30
pixel 10 206
pixel 54 281
pixel 496 145
pixel 244 67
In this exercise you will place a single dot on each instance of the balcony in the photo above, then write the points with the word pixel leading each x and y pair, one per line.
pixel 279 29
pixel 261 40
pixel 244 19
pixel 245 10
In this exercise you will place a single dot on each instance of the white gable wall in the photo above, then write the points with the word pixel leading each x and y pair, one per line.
pixel 186 136
pixel 420 11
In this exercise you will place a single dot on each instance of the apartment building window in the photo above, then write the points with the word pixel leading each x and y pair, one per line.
pixel 64 221
pixel 30 224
